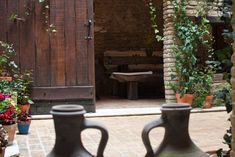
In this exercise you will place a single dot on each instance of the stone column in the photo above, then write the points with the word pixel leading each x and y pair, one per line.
pixel 232 153
pixel 168 57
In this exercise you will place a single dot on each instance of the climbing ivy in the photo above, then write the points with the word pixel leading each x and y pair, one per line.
pixel 192 73
pixel 51 28
pixel 153 19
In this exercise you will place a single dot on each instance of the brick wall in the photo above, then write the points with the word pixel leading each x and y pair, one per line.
pixel 123 25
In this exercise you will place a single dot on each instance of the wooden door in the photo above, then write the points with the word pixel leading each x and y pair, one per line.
pixel 62 62
pixel 65 60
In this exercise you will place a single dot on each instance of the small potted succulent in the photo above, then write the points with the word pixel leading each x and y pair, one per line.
pixel 3 140
pixel 23 122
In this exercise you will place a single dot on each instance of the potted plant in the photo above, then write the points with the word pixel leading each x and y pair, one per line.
pixel 3 141
pixel 23 122
pixel 189 68
pixel 203 86
pixel 8 113
pixel 6 87
pixel 7 66
pixel 22 87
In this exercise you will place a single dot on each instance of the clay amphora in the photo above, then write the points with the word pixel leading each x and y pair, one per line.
pixel 176 141
pixel 69 122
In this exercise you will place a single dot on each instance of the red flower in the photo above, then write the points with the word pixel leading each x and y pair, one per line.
pixel 8 115
pixel 8 96
pixel 2 97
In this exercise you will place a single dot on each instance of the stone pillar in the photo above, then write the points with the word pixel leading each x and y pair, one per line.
pixel 232 153
pixel 168 57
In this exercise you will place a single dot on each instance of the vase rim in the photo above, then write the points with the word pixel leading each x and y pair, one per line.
pixel 176 106
pixel 70 109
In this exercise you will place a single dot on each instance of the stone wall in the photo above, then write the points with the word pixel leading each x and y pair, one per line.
pixel 214 10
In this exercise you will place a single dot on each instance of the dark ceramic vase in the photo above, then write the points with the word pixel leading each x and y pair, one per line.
pixel 69 122
pixel 176 141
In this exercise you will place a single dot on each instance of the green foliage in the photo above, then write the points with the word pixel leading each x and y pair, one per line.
pixel 190 74
pixel 222 96
pixel 224 57
pixel 51 28
pixel 6 87
pixel 13 17
pixel 202 86
pixel 153 18
pixel 153 35
pixel 7 64
pixel 28 9
pixel 21 80
pixel 22 87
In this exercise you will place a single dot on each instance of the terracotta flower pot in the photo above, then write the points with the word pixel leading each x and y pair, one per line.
pixel 11 129
pixel 9 79
pixel 186 98
pixel 208 101
pixel 24 108
pixel 2 153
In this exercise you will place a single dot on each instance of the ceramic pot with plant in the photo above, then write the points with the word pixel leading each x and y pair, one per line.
pixel 202 93
pixel 190 61
pixel 3 140
pixel 23 122
pixel 8 114
pixel 24 103
pixel 22 86
pixel 186 98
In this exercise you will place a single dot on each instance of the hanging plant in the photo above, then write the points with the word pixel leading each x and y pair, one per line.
pixel 153 19
pixel 50 27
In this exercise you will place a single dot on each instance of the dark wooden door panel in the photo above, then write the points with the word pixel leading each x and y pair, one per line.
pixel 27 39
pixel 42 70
pixel 3 12
pixel 63 93
pixel 81 43
pixel 62 62
pixel 13 28
pixel 57 43
pixel 70 43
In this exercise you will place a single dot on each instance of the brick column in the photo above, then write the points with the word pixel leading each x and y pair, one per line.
pixel 168 57
pixel 232 153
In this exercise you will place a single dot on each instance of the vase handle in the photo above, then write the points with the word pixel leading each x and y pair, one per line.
pixel 104 135
pixel 145 135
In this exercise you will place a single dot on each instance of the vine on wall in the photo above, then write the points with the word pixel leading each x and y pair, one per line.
pixel 50 27
pixel 153 19
pixel 194 75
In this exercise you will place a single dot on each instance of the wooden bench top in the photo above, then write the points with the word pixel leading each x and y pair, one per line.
pixel 133 73
pixel 130 76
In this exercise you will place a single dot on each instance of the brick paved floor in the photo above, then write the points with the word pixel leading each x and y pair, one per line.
pixel 206 130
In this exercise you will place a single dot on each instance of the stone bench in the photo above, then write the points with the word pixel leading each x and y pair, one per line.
pixel 132 79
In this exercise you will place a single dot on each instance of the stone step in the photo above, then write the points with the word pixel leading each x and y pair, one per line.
pixel 12 150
